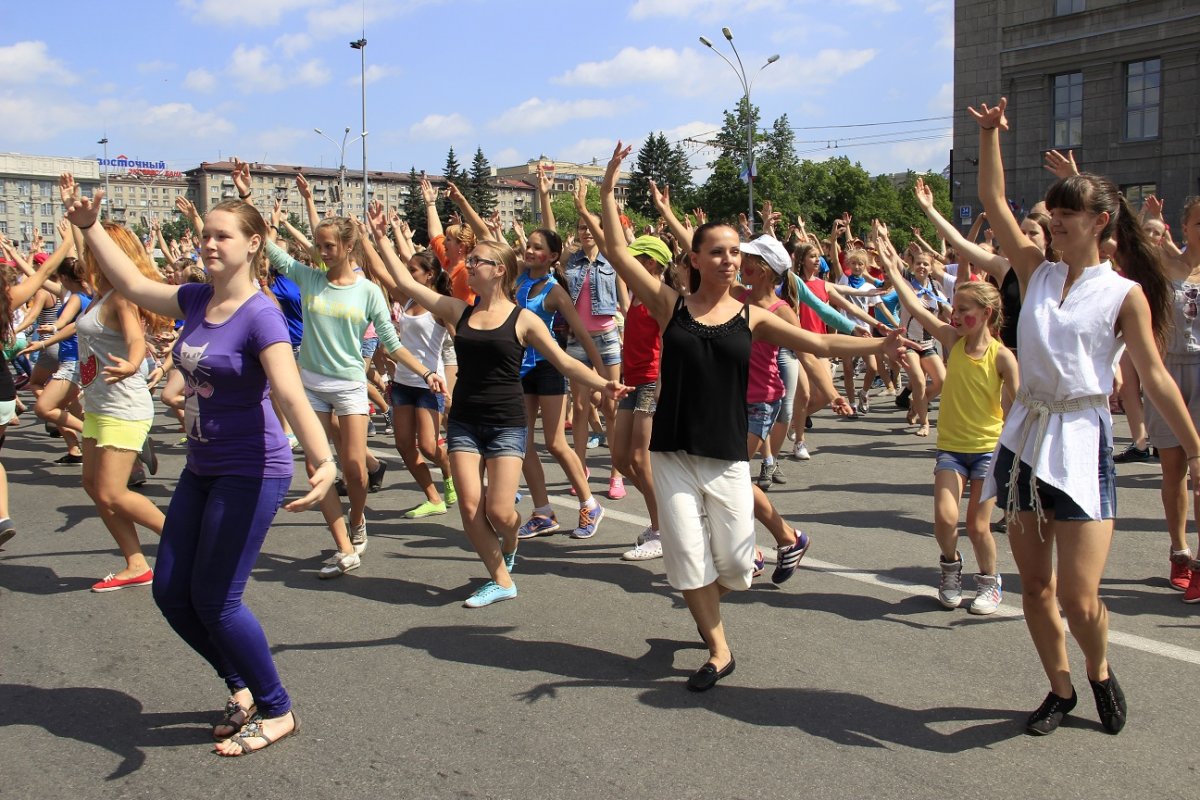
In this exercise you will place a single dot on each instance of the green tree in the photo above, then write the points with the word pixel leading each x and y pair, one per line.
pixel 413 209
pixel 479 188
pixel 294 220
pixel 665 165
pixel 453 173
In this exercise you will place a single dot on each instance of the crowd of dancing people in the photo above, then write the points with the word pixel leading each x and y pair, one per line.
pixel 690 349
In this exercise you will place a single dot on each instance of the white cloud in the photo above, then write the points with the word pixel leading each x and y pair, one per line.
pixel 252 70
pixel 347 18
pixel 634 65
pixel 152 67
pixel 375 72
pixel 944 13
pixel 506 157
pixel 440 127
pixel 30 62
pixel 877 6
pixel 823 69
pixel 705 10
pixel 291 44
pixel 585 151
pixel 246 12
pixel 28 118
pixel 943 101
pixel 170 120
pixel 200 80
pixel 536 114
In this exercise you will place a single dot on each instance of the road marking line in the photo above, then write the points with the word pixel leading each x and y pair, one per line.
pixel 1133 641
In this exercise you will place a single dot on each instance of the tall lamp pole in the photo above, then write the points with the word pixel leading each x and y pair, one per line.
pixel 747 85
pixel 341 164
pixel 361 46
pixel 104 142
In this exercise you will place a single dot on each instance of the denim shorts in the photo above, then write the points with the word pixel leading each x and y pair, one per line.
pixel 67 371
pixel 543 381
pixel 342 403
pixel 1057 504
pixel 369 346
pixel 973 466
pixel 761 416
pixel 607 342
pixel 419 396
pixel 490 441
pixel 643 398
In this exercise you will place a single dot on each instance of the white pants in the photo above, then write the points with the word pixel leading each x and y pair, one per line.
pixel 706 517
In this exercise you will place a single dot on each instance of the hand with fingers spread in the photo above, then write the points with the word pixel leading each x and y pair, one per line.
pixel 1153 206
pixel 428 193
pixel 990 117
pixel 302 186
pixel 120 369
pixel 185 206
pixel 543 180
pixel 1062 166
pixel 68 190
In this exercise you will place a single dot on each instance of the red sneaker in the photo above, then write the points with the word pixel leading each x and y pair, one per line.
pixel 112 583
pixel 1192 595
pixel 616 488
pixel 1181 572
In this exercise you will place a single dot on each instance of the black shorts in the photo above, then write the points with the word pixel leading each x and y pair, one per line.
pixel 543 380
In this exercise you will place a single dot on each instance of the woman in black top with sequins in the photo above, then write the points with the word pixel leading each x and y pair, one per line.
pixel 698 444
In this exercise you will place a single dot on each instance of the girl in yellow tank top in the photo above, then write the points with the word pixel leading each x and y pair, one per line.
pixel 981 382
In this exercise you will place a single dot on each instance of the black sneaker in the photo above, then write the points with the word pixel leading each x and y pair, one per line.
pixel 1110 703
pixel 1050 713
pixel 69 459
pixel 148 457
pixel 1133 454
pixel 375 479
pixel 904 399
pixel 340 485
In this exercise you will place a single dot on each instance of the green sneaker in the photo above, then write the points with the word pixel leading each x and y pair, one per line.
pixel 510 560
pixel 448 494
pixel 426 509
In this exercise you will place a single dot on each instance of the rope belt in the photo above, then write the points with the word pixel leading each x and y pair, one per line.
pixel 1036 422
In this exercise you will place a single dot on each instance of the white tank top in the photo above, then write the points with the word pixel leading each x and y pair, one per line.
pixel 422 336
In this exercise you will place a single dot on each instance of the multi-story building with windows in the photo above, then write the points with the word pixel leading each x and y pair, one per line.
pixel 1115 81
pixel 562 178
pixel 29 198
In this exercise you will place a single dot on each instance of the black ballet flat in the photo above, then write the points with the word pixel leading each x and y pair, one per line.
pixel 707 676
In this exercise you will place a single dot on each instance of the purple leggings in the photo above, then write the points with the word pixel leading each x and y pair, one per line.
pixel 214 528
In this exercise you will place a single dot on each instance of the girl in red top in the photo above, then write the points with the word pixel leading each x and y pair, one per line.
pixel 630 440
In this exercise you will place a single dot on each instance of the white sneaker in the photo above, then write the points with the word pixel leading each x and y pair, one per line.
pixel 801 452
pixel 339 564
pixel 358 535
pixel 989 593
pixel 950 587
pixel 648 548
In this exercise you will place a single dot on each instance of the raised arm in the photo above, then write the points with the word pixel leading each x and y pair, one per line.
pixel 447 309
pixel 662 203
pixel 944 332
pixel 544 184
pixel 591 220
pixel 658 298
pixel 19 294
pixel 310 205
pixel 123 274
pixel 188 209
pixel 991 263
pixel 482 232
pixel 1023 255
pixel 433 223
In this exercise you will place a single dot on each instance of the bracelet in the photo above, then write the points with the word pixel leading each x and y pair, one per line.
pixel 244 196
pixel 326 460
pixel 85 227
pixel 425 377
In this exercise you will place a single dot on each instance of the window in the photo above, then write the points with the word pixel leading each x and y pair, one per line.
pixel 47 209
pixel 24 188
pixel 26 209
pixel 1137 193
pixel 1068 109
pixel 47 229
pixel 1142 95
pixel 1064 7
pixel 3 206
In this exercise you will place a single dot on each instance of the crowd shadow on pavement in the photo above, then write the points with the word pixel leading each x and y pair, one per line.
pixel 104 718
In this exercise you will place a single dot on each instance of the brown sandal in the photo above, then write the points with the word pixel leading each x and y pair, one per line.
pixel 253 730
pixel 236 717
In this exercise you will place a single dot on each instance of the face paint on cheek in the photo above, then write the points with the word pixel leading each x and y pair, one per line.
pixel 969 320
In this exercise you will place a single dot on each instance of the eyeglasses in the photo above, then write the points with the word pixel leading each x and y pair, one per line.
pixel 475 261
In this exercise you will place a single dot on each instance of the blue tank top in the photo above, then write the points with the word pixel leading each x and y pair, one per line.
pixel 68 349
pixel 536 304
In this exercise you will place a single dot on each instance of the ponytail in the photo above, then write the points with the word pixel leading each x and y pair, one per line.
pixel 1141 262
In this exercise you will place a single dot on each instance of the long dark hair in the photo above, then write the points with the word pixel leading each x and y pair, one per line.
pixel 428 263
pixel 554 244
pixel 1140 260
pixel 698 237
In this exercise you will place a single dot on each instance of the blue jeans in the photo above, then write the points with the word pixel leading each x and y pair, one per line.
pixel 214 528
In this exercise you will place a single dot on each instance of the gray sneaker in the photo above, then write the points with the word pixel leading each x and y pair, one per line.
pixel 950 587
pixel 339 564
pixel 989 593
pixel 764 476
pixel 358 535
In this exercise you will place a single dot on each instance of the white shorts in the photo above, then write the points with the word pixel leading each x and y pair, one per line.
pixel 706 517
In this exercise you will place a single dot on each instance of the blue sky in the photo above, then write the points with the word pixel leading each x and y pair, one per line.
pixel 187 81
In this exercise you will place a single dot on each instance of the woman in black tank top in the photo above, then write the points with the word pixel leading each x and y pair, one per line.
pixel 698 445
pixel 487 417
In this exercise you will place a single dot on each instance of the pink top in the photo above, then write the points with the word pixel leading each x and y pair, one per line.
pixel 765 385
pixel 583 304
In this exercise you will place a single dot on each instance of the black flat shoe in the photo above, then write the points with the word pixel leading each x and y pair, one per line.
pixel 707 676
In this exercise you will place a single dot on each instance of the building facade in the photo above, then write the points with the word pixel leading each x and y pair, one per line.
pixel 1115 81
pixel 562 178
pixel 29 199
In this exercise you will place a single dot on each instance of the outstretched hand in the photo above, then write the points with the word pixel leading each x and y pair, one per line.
pixel 991 117
pixel 620 153
pixel 303 187
pixel 320 483
pixel 82 212
pixel 68 190
pixel 923 194
pixel 241 177
pixel 1062 166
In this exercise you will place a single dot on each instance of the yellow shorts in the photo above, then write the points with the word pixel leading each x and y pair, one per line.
pixel 120 434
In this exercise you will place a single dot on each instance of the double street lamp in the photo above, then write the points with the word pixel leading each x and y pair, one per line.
pixel 361 46
pixel 342 165
pixel 747 85
pixel 104 142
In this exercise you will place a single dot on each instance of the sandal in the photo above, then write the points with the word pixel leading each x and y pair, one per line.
pixel 253 730
pixel 236 716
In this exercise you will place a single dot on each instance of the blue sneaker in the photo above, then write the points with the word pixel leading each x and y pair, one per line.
pixel 490 592
pixel 789 558
pixel 593 441
pixel 589 521
pixel 510 560
pixel 538 526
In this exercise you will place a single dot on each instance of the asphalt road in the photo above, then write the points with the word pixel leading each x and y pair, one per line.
pixel 851 680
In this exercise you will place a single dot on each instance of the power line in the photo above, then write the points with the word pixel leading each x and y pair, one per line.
pixel 870 124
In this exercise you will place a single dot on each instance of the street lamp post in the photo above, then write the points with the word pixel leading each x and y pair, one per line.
pixel 104 142
pixel 747 85
pixel 361 46
pixel 341 163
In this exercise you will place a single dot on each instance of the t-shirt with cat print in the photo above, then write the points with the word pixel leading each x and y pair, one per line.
pixel 230 425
